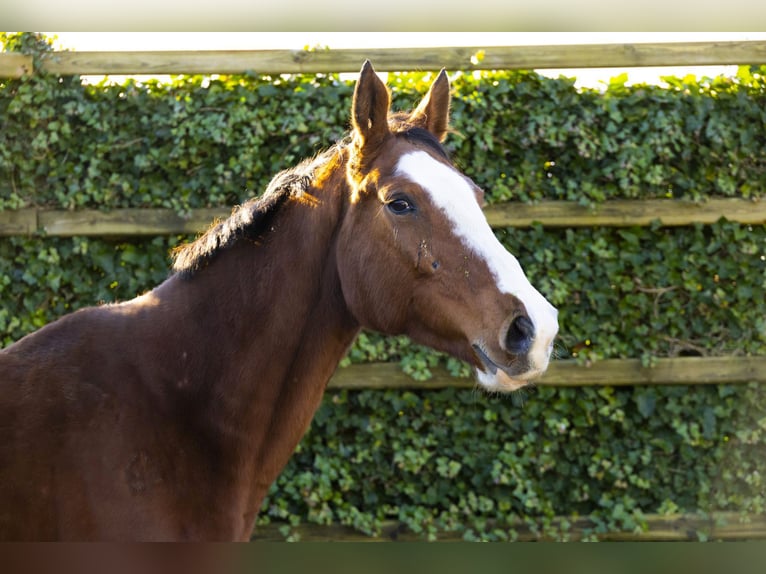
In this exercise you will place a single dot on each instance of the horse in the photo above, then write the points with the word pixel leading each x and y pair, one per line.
pixel 168 417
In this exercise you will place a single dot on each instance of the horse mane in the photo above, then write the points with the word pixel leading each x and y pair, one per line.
pixel 249 220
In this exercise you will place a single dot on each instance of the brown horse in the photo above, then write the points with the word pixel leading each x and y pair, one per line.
pixel 169 416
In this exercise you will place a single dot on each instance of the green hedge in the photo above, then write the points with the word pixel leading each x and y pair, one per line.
pixel 449 459
pixel 457 460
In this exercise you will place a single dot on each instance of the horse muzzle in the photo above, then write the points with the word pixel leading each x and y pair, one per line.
pixel 526 347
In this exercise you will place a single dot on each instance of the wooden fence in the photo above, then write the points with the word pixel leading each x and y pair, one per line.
pixel 612 213
pixel 688 370
pixel 389 59
pixel 613 372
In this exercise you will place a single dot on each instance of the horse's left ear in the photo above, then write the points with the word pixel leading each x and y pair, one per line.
pixel 369 112
pixel 433 111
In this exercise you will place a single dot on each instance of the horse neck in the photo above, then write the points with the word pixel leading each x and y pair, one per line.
pixel 270 325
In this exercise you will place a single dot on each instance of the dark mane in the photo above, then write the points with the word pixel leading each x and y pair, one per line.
pixel 250 219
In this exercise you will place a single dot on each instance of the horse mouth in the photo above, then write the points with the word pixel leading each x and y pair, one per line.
pixel 489 364
pixel 494 377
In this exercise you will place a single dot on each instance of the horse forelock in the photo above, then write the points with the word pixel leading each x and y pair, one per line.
pixel 424 138
pixel 400 124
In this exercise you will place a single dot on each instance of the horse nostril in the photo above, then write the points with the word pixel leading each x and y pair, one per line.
pixel 519 337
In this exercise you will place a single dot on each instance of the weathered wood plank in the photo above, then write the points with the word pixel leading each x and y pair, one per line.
pixel 626 213
pixel 626 55
pixel 613 372
pixel 676 527
pixel 669 371
pixel 15 65
pixel 18 222
pixel 396 59
pixel 127 222
pixel 151 221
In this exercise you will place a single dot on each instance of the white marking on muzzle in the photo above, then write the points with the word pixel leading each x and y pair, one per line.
pixel 453 194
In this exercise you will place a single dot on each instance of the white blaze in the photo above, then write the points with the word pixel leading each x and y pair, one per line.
pixel 453 194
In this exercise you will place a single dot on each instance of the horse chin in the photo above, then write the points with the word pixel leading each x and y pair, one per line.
pixel 499 381
pixel 494 377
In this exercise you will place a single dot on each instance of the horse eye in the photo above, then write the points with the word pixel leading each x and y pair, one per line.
pixel 400 206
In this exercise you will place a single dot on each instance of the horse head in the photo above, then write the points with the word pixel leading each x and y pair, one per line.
pixel 416 255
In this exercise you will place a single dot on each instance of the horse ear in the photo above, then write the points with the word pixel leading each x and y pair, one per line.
pixel 433 111
pixel 369 113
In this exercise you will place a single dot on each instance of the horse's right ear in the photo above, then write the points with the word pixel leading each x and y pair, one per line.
pixel 369 113
pixel 433 111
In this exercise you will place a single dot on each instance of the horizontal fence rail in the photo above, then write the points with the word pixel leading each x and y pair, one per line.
pixel 568 373
pixel 389 59
pixel 660 528
pixel 15 65
pixel 614 213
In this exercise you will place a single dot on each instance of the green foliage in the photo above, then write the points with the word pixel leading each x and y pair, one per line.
pixel 533 138
pixel 449 459
pixel 654 291
pixel 43 279
pixel 461 461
